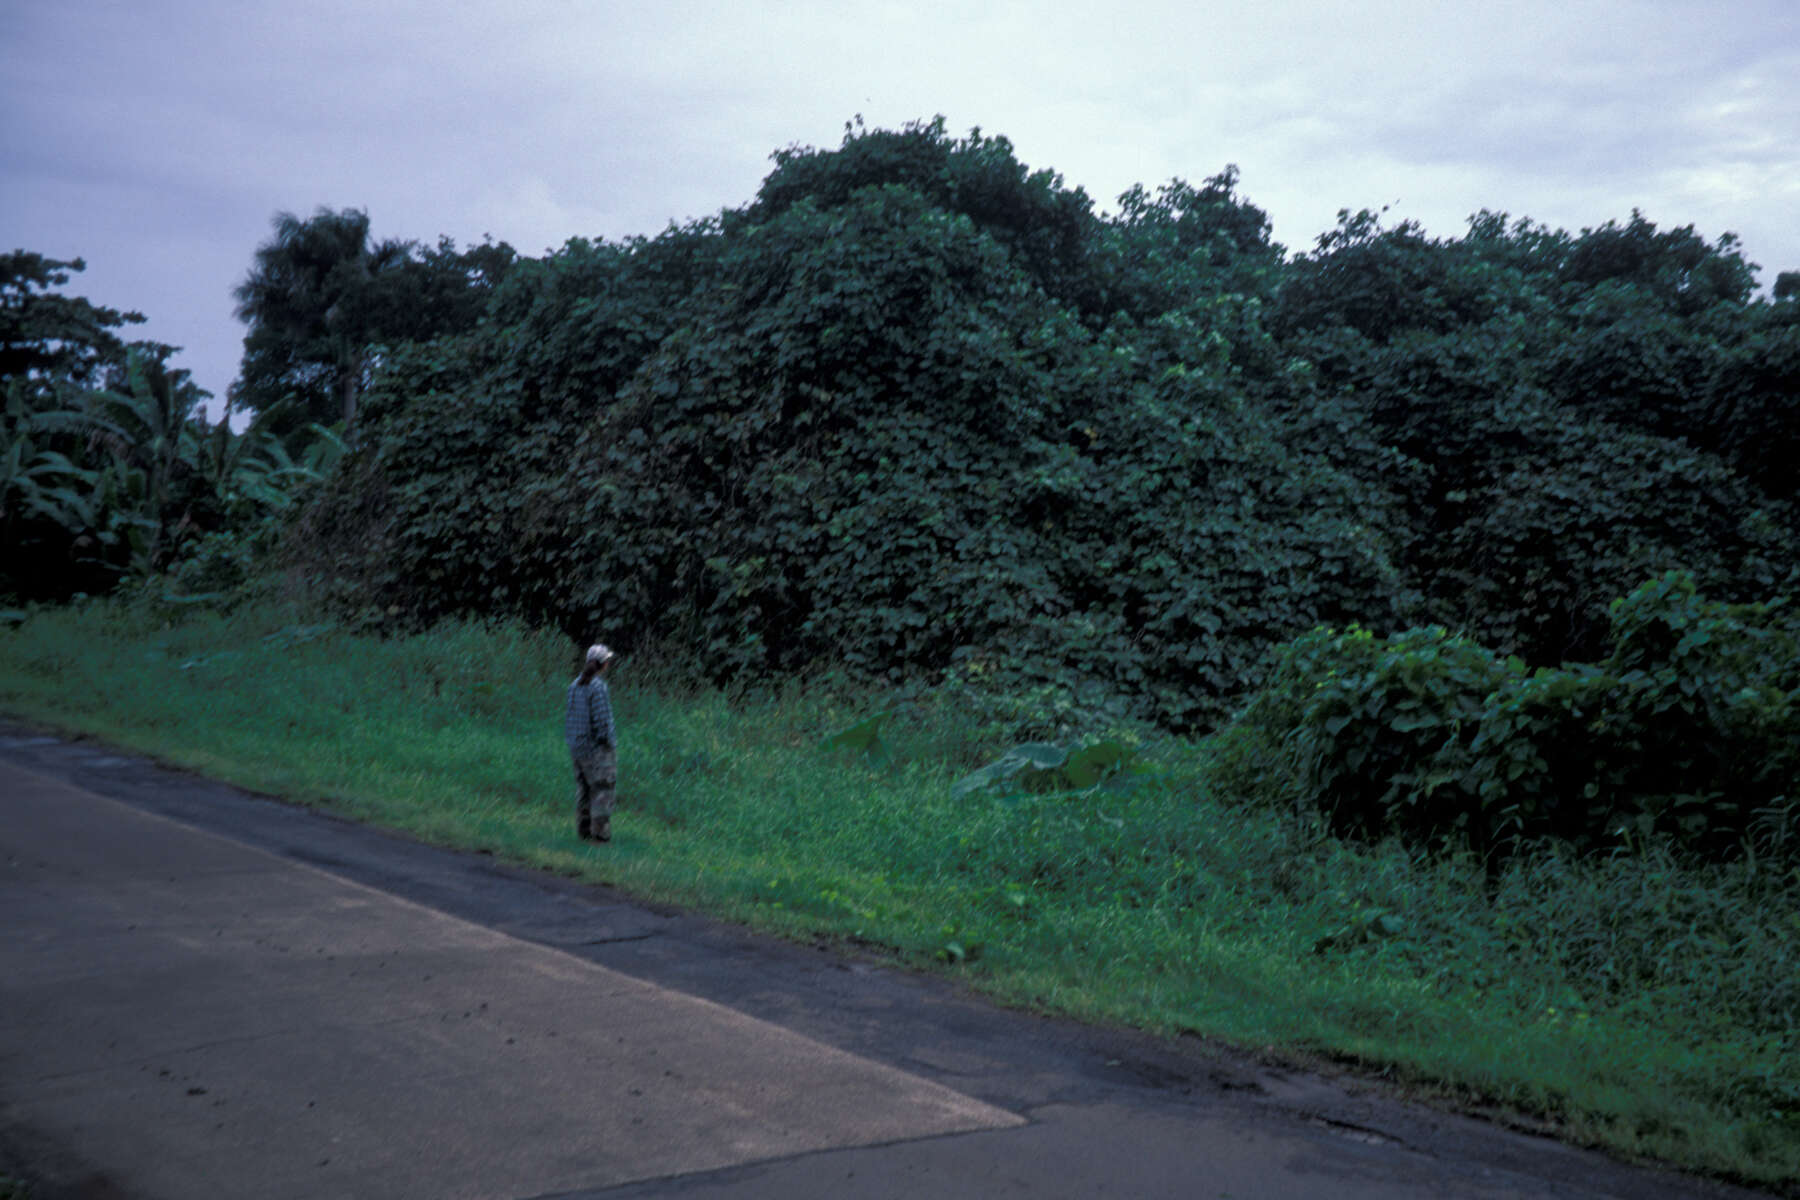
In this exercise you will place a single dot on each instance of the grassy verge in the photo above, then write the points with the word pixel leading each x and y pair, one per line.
pixel 1631 1003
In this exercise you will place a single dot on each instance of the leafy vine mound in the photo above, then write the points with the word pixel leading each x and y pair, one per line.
pixel 918 411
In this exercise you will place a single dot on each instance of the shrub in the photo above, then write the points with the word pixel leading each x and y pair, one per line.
pixel 1385 726
pixel 1711 694
pixel 1689 730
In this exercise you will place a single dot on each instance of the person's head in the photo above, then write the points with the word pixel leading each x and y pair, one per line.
pixel 599 657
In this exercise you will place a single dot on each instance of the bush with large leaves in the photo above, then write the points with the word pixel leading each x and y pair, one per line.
pixel 1688 728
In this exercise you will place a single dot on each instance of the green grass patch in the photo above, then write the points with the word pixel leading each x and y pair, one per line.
pixel 1630 1002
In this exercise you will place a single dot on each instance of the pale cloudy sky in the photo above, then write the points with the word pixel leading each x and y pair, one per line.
pixel 157 138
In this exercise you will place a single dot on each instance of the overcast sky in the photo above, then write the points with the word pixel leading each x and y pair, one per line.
pixel 157 138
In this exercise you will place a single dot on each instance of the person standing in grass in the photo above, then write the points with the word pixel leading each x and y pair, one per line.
pixel 588 729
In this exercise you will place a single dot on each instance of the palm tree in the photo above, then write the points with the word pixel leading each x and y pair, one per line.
pixel 313 311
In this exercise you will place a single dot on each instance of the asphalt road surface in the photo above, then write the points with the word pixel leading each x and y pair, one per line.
pixel 207 993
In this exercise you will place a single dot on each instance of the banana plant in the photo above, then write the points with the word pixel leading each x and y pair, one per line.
pixel 118 470
pixel 235 465
pixel 37 482
pixel 324 451
pixel 267 473
pixel 157 435
pixel 125 537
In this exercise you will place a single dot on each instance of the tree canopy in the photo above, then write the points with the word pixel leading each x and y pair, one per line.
pixel 47 336
pixel 323 294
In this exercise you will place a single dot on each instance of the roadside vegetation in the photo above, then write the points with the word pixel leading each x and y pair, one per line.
pixel 1636 1000
pixel 1384 653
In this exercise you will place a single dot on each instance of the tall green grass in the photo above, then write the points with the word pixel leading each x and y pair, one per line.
pixel 1633 1002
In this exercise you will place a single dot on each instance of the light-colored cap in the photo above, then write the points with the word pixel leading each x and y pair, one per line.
pixel 599 653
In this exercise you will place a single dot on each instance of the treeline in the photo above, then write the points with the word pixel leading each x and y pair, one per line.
pixel 919 411
pixel 109 468
pixel 112 473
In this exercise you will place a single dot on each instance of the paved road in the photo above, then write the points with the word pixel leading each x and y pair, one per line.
pixel 205 993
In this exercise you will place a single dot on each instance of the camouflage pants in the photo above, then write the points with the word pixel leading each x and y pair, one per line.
pixel 595 778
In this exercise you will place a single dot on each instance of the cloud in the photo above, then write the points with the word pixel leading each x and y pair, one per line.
pixel 157 137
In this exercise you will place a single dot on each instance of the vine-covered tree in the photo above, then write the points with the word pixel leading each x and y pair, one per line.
pixel 920 408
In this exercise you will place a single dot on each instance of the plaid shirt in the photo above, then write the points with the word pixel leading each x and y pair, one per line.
pixel 588 722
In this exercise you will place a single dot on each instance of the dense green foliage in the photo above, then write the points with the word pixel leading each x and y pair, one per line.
pixel 1687 733
pixel 109 469
pixel 1573 415
pixel 919 411
pixel 47 335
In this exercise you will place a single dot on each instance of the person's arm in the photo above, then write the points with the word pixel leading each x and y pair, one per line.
pixel 603 717
pixel 578 722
